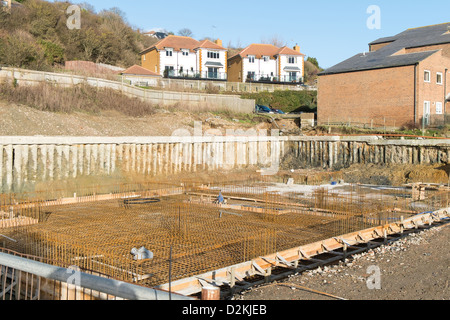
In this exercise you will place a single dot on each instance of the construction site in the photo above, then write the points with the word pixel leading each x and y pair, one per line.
pixel 196 231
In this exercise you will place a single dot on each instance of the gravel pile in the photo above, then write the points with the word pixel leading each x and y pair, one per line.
pixel 414 267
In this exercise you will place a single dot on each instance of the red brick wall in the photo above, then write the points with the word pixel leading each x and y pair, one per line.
pixel 375 47
pixel 373 95
pixel 444 47
pixel 431 91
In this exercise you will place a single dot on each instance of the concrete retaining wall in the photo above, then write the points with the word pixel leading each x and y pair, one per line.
pixel 26 160
pixel 341 152
pixel 29 159
pixel 201 101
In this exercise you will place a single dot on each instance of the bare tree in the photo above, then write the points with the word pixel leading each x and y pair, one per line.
pixel 185 32
pixel 87 6
pixel 275 40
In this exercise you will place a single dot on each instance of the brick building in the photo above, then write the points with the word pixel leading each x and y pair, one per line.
pixel 402 80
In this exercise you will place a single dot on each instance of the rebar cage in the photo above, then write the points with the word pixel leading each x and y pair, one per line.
pixel 185 228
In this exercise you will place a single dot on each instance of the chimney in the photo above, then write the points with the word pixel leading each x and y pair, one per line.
pixel 219 42
pixel 297 48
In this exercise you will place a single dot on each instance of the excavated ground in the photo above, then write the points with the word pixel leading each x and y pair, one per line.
pixel 416 267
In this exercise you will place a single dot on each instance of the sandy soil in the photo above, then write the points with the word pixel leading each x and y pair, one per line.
pixel 19 120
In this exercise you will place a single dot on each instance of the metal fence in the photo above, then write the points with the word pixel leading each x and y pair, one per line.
pixel 436 120
pixel 290 79
pixel 26 278
pixel 191 84
pixel 387 123
pixel 195 74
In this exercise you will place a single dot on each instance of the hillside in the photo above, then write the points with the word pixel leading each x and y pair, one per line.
pixel 21 120
pixel 34 35
pixel 311 70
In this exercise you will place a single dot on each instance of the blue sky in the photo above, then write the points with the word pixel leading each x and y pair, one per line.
pixel 330 31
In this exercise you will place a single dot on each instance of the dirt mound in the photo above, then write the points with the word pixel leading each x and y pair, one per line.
pixel 396 174
pixel 20 120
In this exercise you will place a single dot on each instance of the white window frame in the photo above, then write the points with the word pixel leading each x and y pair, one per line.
pixel 266 58
pixel 185 52
pixel 251 59
pixel 439 110
pixel 291 60
pixel 426 115
pixel 439 74
pixel 425 77
pixel 169 52
pixel 213 55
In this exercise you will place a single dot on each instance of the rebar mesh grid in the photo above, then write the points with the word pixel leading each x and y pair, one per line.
pixel 187 231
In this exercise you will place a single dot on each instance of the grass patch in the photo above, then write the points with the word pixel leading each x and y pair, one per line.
pixel 286 100
pixel 440 131
pixel 248 119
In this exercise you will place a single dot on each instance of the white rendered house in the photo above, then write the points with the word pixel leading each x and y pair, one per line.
pixel 184 57
pixel 267 63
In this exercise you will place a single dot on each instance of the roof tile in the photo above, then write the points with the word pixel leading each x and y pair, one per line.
pixel 180 42
pixel 138 70
pixel 390 55
pixel 260 50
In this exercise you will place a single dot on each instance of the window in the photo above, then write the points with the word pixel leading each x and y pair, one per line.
pixel 251 75
pixel 169 52
pixel 169 71
pixel 213 73
pixel 292 76
pixel 439 78
pixel 213 55
pixel 266 58
pixel 291 59
pixel 438 107
pixel 251 59
pixel 185 52
pixel 426 113
pixel 426 76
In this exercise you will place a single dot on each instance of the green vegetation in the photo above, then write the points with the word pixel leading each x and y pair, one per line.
pixel 312 69
pixel 439 131
pixel 313 61
pixel 35 35
pixel 287 101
